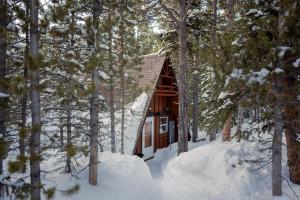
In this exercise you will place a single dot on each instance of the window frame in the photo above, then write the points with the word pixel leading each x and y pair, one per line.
pixel 164 125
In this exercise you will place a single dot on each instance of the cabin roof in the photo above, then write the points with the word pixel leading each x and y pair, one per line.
pixel 149 71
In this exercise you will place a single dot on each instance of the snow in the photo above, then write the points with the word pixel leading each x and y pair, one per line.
pixel 119 177
pixel 216 170
pixel 223 95
pixel 259 76
pixel 103 75
pixel 278 70
pixel 237 73
pixel 296 63
pixel 298 137
pixel 211 170
pixel 3 95
pixel 235 42
pixel 133 119
pixel 75 62
pixel 12 27
pixel 282 50
pixel 252 11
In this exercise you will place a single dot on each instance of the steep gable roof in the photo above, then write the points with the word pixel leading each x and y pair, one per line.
pixel 149 71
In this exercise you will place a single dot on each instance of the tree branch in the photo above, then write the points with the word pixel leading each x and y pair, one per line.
pixel 170 13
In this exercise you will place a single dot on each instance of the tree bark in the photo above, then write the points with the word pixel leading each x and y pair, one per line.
pixel 195 108
pixel 292 127
pixel 212 135
pixel 214 6
pixel 230 19
pixel 94 105
pixel 230 14
pixel 278 119
pixel 69 133
pixel 277 146
pixel 34 73
pixel 182 81
pixel 112 92
pixel 239 123
pixel 227 129
pixel 22 138
pixel 61 133
pixel 121 59
pixel 292 107
pixel 3 101
pixel 215 21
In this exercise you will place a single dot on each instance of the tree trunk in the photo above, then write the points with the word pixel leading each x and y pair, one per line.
pixel 214 5
pixel 277 151
pixel 93 166
pixel 22 137
pixel 212 135
pixel 195 109
pixel 227 129
pixel 215 21
pixel 34 74
pixel 94 131
pixel 61 133
pixel 69 133
pixel 230 14
pixel 121 58
pixel 239 123
pixel 292 108
pixel 112 93
pixel 230 19
pixel 3 101
pixel 292 127
pixel 182 81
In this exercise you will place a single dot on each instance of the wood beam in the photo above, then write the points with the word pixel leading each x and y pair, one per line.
pixel 166 94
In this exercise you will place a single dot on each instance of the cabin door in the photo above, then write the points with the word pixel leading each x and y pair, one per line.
pixel 148 138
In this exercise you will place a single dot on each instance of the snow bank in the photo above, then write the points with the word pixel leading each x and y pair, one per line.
pixel 218 171
pixel 119 177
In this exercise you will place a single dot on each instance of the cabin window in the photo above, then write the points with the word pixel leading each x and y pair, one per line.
pixel 148 134
pixel 163 124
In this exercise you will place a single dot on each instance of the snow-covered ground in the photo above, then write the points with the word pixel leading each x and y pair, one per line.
pixel 216 170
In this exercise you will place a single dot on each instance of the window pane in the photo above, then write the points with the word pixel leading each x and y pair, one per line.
pixel 163 120
pixel 163 124
pixel 148 134
pixel 163 128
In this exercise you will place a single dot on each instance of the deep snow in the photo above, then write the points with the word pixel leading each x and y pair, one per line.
pixel 216 170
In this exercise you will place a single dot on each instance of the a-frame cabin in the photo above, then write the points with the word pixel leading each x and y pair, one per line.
pixel 158 126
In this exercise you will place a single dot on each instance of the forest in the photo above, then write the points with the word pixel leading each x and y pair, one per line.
pixel 150 99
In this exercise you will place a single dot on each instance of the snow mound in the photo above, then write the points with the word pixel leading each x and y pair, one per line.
pixel 119 177
pixel 218 171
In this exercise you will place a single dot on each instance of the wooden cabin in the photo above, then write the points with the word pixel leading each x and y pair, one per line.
pixel 158 126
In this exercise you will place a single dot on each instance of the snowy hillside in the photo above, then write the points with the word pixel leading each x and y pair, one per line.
pixel 217 171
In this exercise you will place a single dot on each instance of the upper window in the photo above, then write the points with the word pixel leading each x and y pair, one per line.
pixel 163 124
